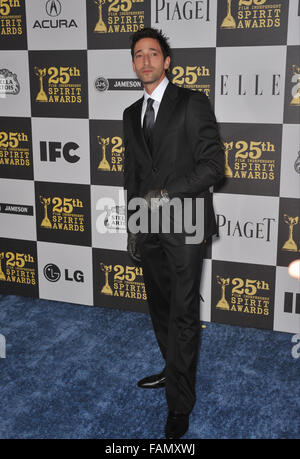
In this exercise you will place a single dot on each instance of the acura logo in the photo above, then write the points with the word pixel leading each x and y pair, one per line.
pixel 53 7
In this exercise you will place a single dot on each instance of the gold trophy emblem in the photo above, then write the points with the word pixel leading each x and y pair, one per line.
pixel 2 276
pixel 223 303
pixel 290 244
pixel 296 99
pixel 104 164
pixel 228 147
pixel 42 96
pixel 229 21
pixel 46 222
pixel 106 289
pixel 100 27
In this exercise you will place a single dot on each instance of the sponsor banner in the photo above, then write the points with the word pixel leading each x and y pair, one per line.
pixel 288 231
pixel 18 267
pixel 13 24
pixel 248 228
pixel 252 22
pixel 287 302
pixel 16 160
pixel 58 83
pixel 56 24
pixel 113 85
pixel 65 273
pixel 118 281
pixel 61 150
pixel 107 152
pixel 189 24
pixel 194 69
pixel 14 84
pixel 250 84
pixel 292 86
pixel 111 22
pixel 252 158
pixel 63 213
pixel 17 214
pixel 108 217
pixel 243 294
pixel 290 164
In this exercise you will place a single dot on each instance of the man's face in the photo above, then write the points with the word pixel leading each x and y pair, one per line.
pixel 148 61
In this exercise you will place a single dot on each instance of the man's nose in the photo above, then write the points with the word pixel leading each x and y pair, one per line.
pixel 146 59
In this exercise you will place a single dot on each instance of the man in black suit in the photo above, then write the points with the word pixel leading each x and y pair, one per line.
pixel 173 153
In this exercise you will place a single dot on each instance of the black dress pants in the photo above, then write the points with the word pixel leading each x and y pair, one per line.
pixel 172 277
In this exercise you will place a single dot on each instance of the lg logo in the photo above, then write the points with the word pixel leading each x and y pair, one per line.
pixel 52 273
pixel 50 151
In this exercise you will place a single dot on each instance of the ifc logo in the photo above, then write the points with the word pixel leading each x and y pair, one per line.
pixel 52 272
pixel 101 84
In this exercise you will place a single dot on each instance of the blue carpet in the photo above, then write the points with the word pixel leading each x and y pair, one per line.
pixel 70 372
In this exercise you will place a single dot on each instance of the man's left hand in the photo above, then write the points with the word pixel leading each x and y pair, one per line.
pixel 156 198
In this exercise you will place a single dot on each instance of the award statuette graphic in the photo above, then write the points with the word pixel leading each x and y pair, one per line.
pixel 46 222
pixel 228 147
pixel 100 27
pixel 104 164
pixel 106 289
pixel 2 276
pixel 42 96
pixel 223 303
pixel 296 99
pixel 290 244
pixel 229 21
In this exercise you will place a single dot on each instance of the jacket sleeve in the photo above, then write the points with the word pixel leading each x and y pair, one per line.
pixel 206 146
pixel 131 183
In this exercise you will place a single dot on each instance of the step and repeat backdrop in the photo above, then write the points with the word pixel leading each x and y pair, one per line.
pixel 65 79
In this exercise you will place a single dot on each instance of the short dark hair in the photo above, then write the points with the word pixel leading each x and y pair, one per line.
pixel 148 32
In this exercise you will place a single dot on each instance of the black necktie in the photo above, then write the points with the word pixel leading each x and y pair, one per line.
pixel 148 122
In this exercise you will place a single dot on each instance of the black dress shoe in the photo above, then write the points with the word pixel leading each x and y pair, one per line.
pixel 154 381
pixel 177 424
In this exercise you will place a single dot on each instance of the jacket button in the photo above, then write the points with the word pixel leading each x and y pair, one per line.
pixel 154 169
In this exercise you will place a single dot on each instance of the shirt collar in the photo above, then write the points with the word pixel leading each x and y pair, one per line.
pixel 158 91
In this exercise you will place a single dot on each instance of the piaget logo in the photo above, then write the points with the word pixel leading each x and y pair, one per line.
pixel 10 20
pixel 115 144
pixel 123 281
pixel 58 85
pixel 17 268
pixel 250 160
pixel 192 77
pixel 62 214
pixel 14 149
pixel 248 296
pixel 119 16
pixel 252 14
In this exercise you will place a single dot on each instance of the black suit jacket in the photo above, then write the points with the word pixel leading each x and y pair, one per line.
pixel 187 153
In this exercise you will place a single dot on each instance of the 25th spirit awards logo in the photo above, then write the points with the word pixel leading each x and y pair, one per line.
pixel 122 281
pixel 290 245
pixel 252 14
pixel 116 154
pixel 62 84
pixel 11 20
pixel 295 100
pixel 119 16
pixel 17 268
pixel 15 149
pixel 65 214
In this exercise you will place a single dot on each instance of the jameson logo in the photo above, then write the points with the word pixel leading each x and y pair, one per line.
pixel 192 77
pixel 14 149
pixel 58 85
pixel 62 214
pixel 249 160
pixel 10 20
pixel 112 84
pixel 119 16
pixel 8 83
pixel 17 268
pixel 123 281
pixel 248 296
pixel 252 14
pixel 115 144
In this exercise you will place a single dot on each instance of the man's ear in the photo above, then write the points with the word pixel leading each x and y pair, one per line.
pixel 133 66
pixel 167 62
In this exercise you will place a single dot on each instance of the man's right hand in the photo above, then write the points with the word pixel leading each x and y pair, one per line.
pixel 132 247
